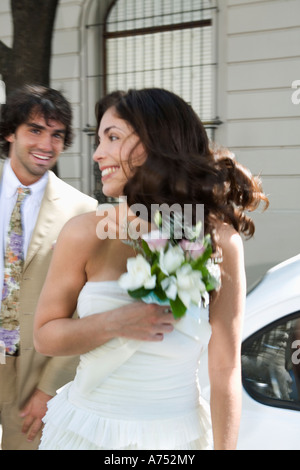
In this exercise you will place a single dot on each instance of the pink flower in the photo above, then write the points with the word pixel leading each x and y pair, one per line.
pixel 155 240
pixel 195 249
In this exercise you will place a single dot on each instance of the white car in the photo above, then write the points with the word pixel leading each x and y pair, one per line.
pixel 270 362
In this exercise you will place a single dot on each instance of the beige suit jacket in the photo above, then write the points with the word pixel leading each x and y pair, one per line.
pixel 60 202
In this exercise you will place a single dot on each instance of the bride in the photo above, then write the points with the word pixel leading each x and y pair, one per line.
pixel 136 385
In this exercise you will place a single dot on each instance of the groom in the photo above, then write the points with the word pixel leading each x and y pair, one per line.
pixel 35 128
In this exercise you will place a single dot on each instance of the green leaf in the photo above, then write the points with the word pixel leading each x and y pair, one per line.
pixel 139 293
pixel 199 263
pixel 210 287
pixel 155 269
pixel 160 293
pixel 146 249
pixel 160 276
pixel 178 307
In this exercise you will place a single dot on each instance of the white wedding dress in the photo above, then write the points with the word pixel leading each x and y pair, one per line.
pixel 131 394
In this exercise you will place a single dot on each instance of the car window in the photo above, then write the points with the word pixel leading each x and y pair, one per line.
pixel 271 363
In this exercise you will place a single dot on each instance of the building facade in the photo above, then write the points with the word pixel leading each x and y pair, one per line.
pixel 236 61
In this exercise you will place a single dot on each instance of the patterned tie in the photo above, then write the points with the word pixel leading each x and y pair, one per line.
pixel 13 267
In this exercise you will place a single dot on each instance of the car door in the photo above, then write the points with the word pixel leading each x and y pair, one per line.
pixel 271 386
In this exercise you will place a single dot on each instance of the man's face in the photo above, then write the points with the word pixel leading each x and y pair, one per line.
pixel 35 147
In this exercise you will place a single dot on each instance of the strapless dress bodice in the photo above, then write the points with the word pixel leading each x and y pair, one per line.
pixel 189 339
pixel 135 394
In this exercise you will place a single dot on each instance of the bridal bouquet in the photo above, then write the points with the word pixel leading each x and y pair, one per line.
pixel 170 271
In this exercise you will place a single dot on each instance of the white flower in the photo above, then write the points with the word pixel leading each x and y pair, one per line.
pixel 169 285
pixel 189 285
pixel 138 275
pixel 193 233
pixel 215 272
pixel 171 260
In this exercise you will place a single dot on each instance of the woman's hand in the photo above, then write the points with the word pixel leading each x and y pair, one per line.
pixel 146 322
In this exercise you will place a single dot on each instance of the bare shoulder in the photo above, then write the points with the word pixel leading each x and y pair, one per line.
pixel 229 240
pixel 112 220
pixel 233 263
pixel 230 298
pixel 79 230
pixel 232 252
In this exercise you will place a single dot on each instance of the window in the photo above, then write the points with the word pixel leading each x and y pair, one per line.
pixel 271 364
pixel 164 43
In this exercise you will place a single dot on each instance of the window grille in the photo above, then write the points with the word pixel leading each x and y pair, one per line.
pixel 163 43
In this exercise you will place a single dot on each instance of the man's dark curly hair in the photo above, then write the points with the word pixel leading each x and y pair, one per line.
pixel 28 100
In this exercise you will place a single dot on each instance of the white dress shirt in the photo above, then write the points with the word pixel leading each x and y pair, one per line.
pixel 30 209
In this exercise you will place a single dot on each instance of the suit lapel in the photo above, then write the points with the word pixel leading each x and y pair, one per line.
pixel 45 220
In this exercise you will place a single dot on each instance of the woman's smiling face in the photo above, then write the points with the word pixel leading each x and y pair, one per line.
pixel 117 144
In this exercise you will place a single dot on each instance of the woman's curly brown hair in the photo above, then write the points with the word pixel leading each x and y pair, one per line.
pixel 180 166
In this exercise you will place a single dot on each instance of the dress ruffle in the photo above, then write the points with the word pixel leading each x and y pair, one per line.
pixel 70 427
